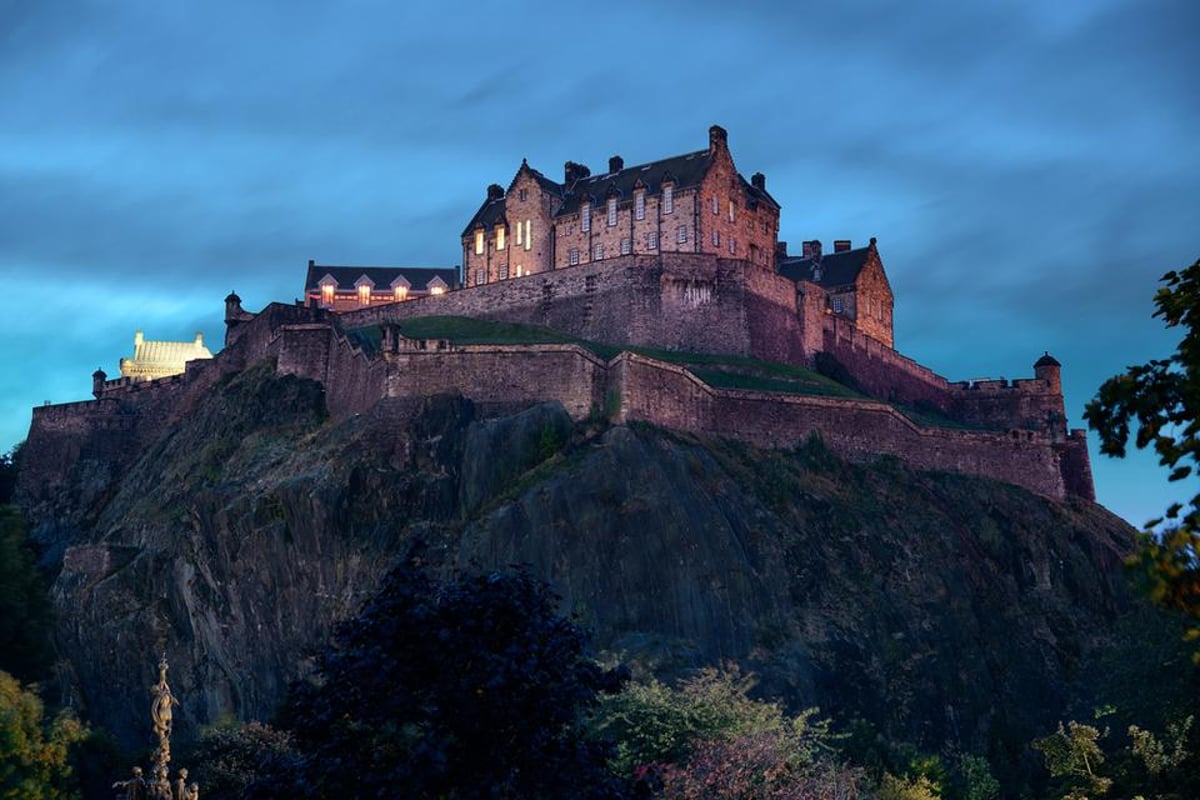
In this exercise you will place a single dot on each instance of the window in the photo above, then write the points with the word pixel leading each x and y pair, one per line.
pixel 668 198
pixel 478 243
pixel 731 211
pixel 519 227
pixel 528 235
pixel 327 294
pixel 499 237
pixel 838 308
pixel 585 217
pixel 573 256
pixel 626 246
pixel 716 238
pixel 520 271
pixel 732 246
pixel 681 234
pixel 436 290
pixel 479 276
pixel 522 194
pixel 502 273
pixel 364 295
pixel 400 293
pixel 639 205
pixel 715 205
pixel 652 240
pixel 597 252
pixel 612 211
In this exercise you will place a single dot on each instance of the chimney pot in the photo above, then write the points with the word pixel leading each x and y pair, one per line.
pixel 759 181
pixel 495 191
pixel 616 164
pixel 841 245
pixel 574 172
pixel 781 248
pixel 718 138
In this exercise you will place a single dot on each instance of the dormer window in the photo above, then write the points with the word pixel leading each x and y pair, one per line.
pixel 612 211
pixel 499 237
pixel 364 295
pixel 437 286
pixel 327 294
pixel 585 217
pixel 435 290
pixel 668 198
pixel 400 293
pixel 639 204
pixel 479 243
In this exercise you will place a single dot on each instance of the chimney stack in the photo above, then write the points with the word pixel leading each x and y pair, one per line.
pixel 718 138
pixel 495 191
pixel 574 172
pixel 780 249
pixel 841 245
pixel 759 181
pixel 616 164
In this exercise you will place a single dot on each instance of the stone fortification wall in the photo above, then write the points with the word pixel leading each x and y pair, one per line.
pixel 861 430
pixel 676 301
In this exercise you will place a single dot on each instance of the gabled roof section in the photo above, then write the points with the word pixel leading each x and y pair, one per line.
pixel 547 185
pixel 418 278
pixel 488 215
pixel 837 269
pixel 684 171
pixel 754 193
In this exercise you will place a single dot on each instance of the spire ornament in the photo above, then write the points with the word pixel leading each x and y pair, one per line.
pixel 162 720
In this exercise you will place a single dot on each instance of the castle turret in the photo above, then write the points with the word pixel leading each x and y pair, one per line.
pixel 98 379
pixel 1048 369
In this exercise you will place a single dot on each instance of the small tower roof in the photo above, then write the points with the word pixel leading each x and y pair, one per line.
pixel 1046 360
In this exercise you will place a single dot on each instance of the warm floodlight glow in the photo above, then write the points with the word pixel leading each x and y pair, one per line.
pixel 401 293
pixel 327 294
pixel 364 295
pixel 437 290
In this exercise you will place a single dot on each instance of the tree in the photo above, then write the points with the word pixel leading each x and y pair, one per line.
pixel 9 464
pixel 25 649
pixel 1163 398
pixel 33 750
pixel 474 687
pixel 1073 754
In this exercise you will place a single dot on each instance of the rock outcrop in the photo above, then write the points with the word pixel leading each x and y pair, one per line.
pixel 944 609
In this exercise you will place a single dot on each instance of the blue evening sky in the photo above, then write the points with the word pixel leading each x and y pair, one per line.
pixel 1030 168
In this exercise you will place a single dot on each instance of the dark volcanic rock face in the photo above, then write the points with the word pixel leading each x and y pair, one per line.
pixel 941 608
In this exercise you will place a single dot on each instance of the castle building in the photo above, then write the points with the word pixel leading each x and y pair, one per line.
pixel 349 288
pixel 853 283
pixel 152 359
pixel 691 203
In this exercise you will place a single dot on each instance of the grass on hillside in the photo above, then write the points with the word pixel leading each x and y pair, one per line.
pixel 721 371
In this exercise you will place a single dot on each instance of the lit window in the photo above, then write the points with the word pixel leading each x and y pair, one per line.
pixel 668 199
pixel 437 290
pixel 585 218
pixel 327 294
pixel 597 252
pixel 520 271
pixel 731 211
pixel 715 207
pixel 478 243
pixel 612 211
pixel 519 227
pixel 364 295
pixel 652 240
pixel 528 236
pixel 681 234
pixel 479 276
pixel 626 246
pixel 401 293
pixel 716 238
pixel 838 308
pixel 639 205
pixel 573 256
pixel 499 237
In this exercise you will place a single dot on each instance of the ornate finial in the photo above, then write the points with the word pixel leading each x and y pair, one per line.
pixel 159 786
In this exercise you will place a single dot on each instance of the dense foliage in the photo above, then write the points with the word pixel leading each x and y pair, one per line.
pixel 33 749
pixel 25 615
pixel 1162 397
pixel 473 687
pixel 9 463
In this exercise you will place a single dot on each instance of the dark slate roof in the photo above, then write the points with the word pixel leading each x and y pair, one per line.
pixel 418 277
pixel 489 214
pixel 685 170
pixel 1046 360
pixel 837 269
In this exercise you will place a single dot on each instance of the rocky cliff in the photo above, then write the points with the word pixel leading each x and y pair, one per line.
pixel 944 609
